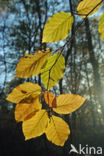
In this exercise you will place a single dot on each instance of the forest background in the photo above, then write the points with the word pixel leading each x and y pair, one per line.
pixel 21 29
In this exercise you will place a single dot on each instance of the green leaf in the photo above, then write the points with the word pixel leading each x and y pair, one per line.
pixel 57 27
pixel 53 70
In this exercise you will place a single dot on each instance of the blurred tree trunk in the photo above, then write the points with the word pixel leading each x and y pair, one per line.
pixel 41 31
pixel 3 48
pixel 72 118
pixel 38 8
pixel 73 47
pixel 91 101
pixel 41 25
pixel 95 66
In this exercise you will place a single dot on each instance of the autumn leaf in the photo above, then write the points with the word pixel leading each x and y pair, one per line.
pixel 30 65
pixel 57 27
pixel 24 92
pixel 55 128
pixel 57 131
pixel 86 7
pixel 50 99
pixel 25 111
pixel 101 26
pixel 67 103
pixel 53 70
pixel 35 126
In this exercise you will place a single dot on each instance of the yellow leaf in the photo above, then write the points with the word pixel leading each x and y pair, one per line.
pixel 86 7
pixel 24 91
pixel 50 99
pixel 25 111
pixel 35 126
pixel 57 27
pixel 57 131
pixel 53 70
pixel 30 65
pixel 101 26
pixel 67 103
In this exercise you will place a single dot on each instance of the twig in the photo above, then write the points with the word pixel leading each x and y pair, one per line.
pixel 69 40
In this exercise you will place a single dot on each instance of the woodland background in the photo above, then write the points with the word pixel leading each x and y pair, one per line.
pixel 21 27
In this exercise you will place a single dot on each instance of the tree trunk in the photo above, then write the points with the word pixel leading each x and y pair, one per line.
pixel 95 66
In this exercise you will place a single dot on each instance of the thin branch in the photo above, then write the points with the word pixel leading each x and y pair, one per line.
pixel 69 40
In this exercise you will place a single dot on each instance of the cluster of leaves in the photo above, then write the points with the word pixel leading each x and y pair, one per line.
pixel 36 120
pixel 50 65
